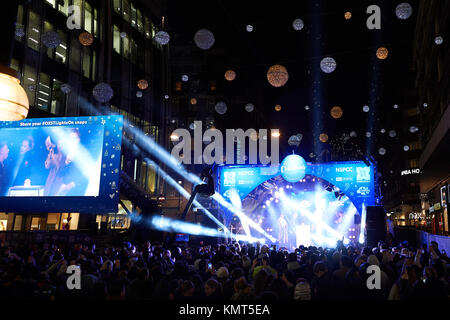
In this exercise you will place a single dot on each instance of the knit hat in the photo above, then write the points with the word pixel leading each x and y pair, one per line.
pixel 302 291
pixel 222 272
pixel 373 260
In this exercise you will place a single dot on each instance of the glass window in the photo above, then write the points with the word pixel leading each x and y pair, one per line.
pixel 117 6
pixel 94 66
pixel 43 92
pixel 116 39
pixel 33 31
pixel 86 62
pixel 57 104
pixel 95 22
pixel 19 23
pixel 140 25
pixel 126 47
pixel 134 51
pixel 52 3
pixel 48 27
pixel 75 55
pixel 29 83
pixel 61 50
pixel 63 7
pixel 15 64
pixel 126 10
pixel 87 17
pixel 133 16
pixel 147 27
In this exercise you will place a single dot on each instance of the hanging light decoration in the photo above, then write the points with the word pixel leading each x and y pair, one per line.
pixel 298 24
pixel 300 136
pixel 249 28
pixel 13 98
pixel 336 112
pixel 51 39
pixel 392 133
pixel 403 11
pixel 382 151
pixel 32 88
pixel 382 53
pixel 166 97
pixel 123 35
pixel 66 88
pixel 323 137
pixel 277 107
pixel 311 155
pixel 86 39
pixel 395 106
pixel 439 40
pixel 405 147
pixel 204 39
pixel 20 32
pixel 162 38
pixel 142 84
pixel 353 134
pixel 413 129
pixel 328 65
pixel 368 134
pixel 230 75
pixel 382 131
pixel 192 126
pixel 102 92
pixel 366 108
pixel 220 107
pixel 139 94
pixel 277 75
pixel 306 108
pixel 193 101
pixel 348 15
pixel 184 78
pixel 294 141
pixel 249 107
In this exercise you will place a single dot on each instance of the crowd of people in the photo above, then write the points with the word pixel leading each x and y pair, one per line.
pixel 231 272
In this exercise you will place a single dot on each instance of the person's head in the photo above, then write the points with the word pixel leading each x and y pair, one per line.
pixel 360 260
pixel 429 273
pixel 4 151
pixel 187 288
pixel 320 268
pixel 346 262
pixel 211 286
pixel 26 145
pixel 434 245
pixel 241 285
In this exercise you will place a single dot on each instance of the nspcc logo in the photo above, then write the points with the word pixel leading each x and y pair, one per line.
pixel 293 168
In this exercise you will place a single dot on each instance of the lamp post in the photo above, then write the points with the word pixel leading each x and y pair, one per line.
pixel 13 98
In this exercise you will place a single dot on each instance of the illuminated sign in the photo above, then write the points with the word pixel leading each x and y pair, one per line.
pixel 444 196
pixel 410 171
pixel 293 168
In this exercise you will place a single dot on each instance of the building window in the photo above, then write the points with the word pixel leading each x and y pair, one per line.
pixel 117 6
pixel 75 55
pixel 34 33
pixel 88 17
pixel 52 3
pixel 140 25
pixel 133 16
pixel 116 39
pixel 63 7
pixel 126 10
pixel 147 28
pixel 29 82
pixel 19 22
pixel 57 104
pixel 134 51
pixel 15 64
pixel 43 92
pixel 61 50
pixel 86 62
pixel 126 47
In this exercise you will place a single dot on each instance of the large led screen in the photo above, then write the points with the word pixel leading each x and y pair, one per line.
pixel 60 164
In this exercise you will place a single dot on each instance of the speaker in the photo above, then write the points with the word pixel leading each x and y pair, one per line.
pixel 375 225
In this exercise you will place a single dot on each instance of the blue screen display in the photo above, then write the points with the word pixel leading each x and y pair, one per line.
pixel 49 165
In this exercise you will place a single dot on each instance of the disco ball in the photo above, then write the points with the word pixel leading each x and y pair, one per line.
pixel 405 147
pixel 86 39
pixel 166 96
pixel 368 134
pixel 382 151
pixel 425 105
pixel 204 39
pixel 20 32
pixel 306 108
pixel 249 107
pixel 403 11
pixel 277 75
pixel 413 129
pixel 220 107
pixel 348 15
pixel 193 101
pixel 230 75
pixel 32 87
pixel 336 112
pixel 382 53
pixel 139 94
pixel 277 107
pixel 184 78
pixel 298 24
pixel 382 131
pixel 366 108
pixel 51 39
pixel 392 133
pixel 323 137
pixel 142 84
pixel 162 38
pixel 439 40
pixel 395 106
pixel 294 141
pixel 353 134
pixel 102 92
pixel 249 28
pixel 65 88
pixel 328 65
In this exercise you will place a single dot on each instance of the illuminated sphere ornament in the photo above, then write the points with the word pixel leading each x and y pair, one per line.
pixel 348 15
pixel 249 107
pixel 249 28
pixel 366 108
pixel 162 38
pixel 405 147
pixel 293 168
pixel 382 53
pixel 142 84
pixel 425 105
pixel 368 134
pixel 353 134
pixel 184 78
pixel 395 106
pixel 13 98
pixel 403 11
pixel 123 35
pixel 328 65
pixel 86 39
pixel 220 107
pixel 392 133
pixel 413 129
pixel 294 141
pixel 102 92
pixel 230 75
pixel 65 88
pixel 300 136
pixel 204 39
pixel 277 75
pixel 298 24
pixel 323 137
pixel 382 131
pixel 51 39
pixel 192 126
pixel 306 108
pixel 139 94
pixel 166 97
pixel 439 40
pixel 20 32
pixel 382 151
pixel 32 88
pixel 277 107
pixel 336 112
pixel 193 101
pixel 311 155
